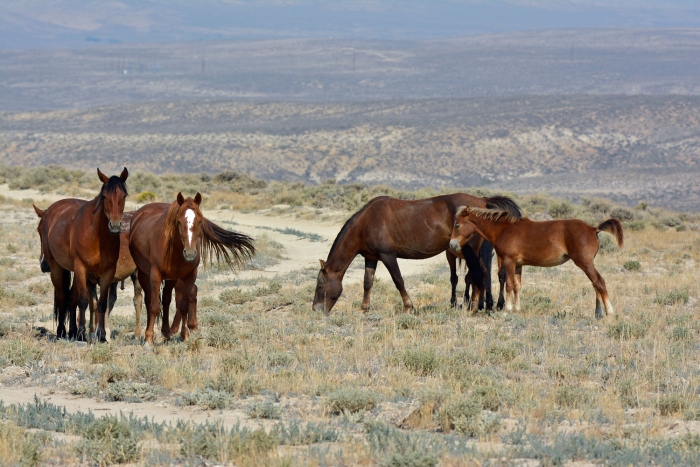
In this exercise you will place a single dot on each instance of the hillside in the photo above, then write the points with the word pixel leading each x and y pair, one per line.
pixel 626 148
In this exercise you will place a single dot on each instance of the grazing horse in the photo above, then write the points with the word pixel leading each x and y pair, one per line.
pixel 386 229
pixel 522 242
pixel 167 242
pixel 83 237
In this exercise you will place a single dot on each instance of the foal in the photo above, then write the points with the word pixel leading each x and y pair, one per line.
pixel 522 242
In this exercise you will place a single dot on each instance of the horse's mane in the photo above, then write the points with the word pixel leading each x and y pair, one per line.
pixel 499 207
pixel 233 248
pixel 111 186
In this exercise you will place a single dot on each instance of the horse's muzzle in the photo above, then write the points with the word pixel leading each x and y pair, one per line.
pixel 115 228
pixel 454 246
pixel 320 306
pixel 190 255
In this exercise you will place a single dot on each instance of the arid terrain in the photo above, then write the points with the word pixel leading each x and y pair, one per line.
pixel 267 381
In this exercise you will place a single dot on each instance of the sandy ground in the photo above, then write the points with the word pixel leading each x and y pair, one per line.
pixel 299 253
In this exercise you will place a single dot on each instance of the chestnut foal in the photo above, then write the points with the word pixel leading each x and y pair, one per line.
pixel 523 242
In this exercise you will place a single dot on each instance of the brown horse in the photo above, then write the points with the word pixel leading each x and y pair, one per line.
pixel 83 237
pixel 167 242
pixel 521 242
pixel 386 229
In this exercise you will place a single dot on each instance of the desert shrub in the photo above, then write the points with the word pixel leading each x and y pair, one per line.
pixel 235 363
pixel 272 287
pixel 622 214
pixel 113 373
pixel 222 337
pixel 293 434
pixel 150 367
pixel 235 384
pixel 130 392
pixel 573 397
pixel 606 244
pixel 632 265
pixel 635 225
pixel 670 221
pixel 235 296
pixel 209 398
pixel 422 362
pixel 108 441
pixel 18 447
pixel 561 210
pixel 538 303
pixel 264 409
pixel 672 404
pixel 676 296
pixel 15 298
pixel 502 352
pixel 19 352
pixel 144 182
pixel 680 333
pixel 596 205
pixel 407 321
pixel 276 359
pixel 213 441
pixel 101 353
pixel 627 390
pixel 146 197
pixel 88 388
pixel 629 330
pixel 465 416
pixel 351 400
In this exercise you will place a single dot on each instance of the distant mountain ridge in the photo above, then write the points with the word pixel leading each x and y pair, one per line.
pixel 627 148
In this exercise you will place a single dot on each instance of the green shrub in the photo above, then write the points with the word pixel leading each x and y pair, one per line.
pixel 626 330
pixel 101 353
pixel 125 391
pixel 672 404
pixel 293 434
pixel 635 225
pixel 235 363
pixel 235 297
pixel 573 397
pixel 222 337
pixel 538 303
pixel 422 362
pixel 627 390
pixel 108 441
pixel 150 367
pixel 680 333
pixel 406 321
pixel 632 265
pixel 146 197
pixel 622 214
pixel 19 352
pixel 275 359
pixel 561 210
pixel 265 409
pixel 673 297
pixel 351 400
pixel 501 353
pixel 113 373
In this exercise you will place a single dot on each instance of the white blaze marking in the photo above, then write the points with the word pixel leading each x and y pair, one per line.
pixel 189 215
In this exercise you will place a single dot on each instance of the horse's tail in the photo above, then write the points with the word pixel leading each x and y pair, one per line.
pixel 614 227
pixel 66 298
pixel 232 247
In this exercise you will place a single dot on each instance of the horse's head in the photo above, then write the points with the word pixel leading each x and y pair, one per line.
pixel 461 230
pixel 189 225
pixel 113 195
pixel 329 286
pixel 40 229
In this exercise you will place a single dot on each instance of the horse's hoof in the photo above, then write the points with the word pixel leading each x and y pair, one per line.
pixel 81 336
pixel 61 333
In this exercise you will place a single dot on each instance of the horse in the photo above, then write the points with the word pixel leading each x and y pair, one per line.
pixel 83 237
pixel 159 232
pixel 522 242
pixel 386 229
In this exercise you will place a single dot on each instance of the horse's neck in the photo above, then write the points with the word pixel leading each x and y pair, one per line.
pixel 488 229
pixel 345 251
pixel 93 211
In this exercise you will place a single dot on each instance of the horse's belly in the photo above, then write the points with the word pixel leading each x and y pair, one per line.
pixel 546 262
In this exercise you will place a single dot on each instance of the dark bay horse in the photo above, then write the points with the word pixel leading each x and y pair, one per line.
pixel 386 229
pixel 83 237
pixel 167 242
pixel 522 242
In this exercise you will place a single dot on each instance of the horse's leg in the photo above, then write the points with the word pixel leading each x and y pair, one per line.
pixel 151 284
pixel 192 313
pixel 509 268
pixel 601 290
pixel 138 303
pixel 501 284
pixel 468 285
pixel 182 295
pixel 393 266
pixel 166 298
pixel 60 299
pixel 517 283
pixel 111 300
pixel 452 262
pixel 101 333
pixel 80 298
pixel 486 255
pixel 370 269
pixel 92 305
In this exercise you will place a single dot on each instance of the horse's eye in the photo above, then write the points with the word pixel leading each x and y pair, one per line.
pixel 456 226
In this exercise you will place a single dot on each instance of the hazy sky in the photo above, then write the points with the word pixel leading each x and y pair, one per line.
pixel 70 23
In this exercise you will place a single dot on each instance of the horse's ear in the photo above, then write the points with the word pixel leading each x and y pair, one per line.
pixel 124 175
pixel 198 199
pixel 102 176
pixel 323 264
pixel 180 199
pixel 38 211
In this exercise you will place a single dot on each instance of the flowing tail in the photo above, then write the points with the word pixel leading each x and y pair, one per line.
pixel 614 227
pixel 233 248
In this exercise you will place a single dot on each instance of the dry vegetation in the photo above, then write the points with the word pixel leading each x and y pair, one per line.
pixel 550 385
